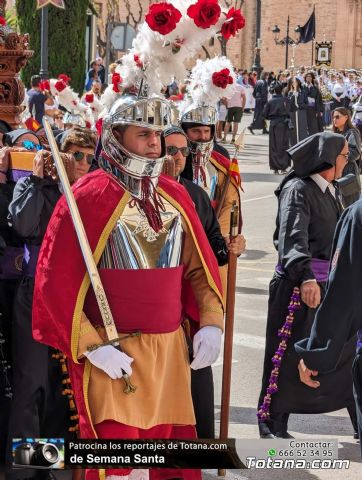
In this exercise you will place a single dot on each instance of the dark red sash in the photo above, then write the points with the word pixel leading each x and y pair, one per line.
pixel 145 300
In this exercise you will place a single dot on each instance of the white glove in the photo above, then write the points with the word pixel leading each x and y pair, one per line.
pixel 207 342
pixel 111 361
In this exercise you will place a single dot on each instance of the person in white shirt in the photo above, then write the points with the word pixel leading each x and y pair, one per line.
pixel 235 111
pixel 339 93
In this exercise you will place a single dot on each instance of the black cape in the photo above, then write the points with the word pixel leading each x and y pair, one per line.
pixel 38 408
pixel 339 316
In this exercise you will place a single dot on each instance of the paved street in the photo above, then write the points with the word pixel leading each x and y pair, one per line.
pixel 255 269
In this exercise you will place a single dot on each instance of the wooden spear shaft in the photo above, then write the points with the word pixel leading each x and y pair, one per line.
pixel 229 331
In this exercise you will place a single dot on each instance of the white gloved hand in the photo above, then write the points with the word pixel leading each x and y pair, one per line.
pixel 111 361
pixel 206 344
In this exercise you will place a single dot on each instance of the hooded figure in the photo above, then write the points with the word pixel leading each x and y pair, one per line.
pixel 277 111
pixel 308 212
pixel 316 153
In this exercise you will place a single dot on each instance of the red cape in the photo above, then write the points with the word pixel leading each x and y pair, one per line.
pixel 61 281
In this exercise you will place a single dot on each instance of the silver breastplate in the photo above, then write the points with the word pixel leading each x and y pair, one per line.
pixel 133 244
pixel 207 178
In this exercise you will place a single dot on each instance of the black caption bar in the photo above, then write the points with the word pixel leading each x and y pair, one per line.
pixel 113 453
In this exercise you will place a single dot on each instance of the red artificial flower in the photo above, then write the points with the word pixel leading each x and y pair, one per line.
pixel 64 77
pixel 60 85
pixel 138 61
pixel 234 22
pixel 116 80
pixel 162 17
pixel 44 85
pixel 2 21
pixel 89 98
pixel 222 78
pixel 99 126
pixel 88 124
pixel 204 13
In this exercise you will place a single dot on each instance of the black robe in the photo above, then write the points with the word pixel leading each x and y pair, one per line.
pixel 314 110
pixel 202 383
pixel 38 408
pixel 339 316
pixel 298 113
pixel 8 238
pixel 305 226
pixel 260 94
pixel 277 111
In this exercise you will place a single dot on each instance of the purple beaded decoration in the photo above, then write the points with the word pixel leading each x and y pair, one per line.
pixel 284 333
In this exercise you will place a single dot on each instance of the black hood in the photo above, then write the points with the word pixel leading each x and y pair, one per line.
pixel 316 153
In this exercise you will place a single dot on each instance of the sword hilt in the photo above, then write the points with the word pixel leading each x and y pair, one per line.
pixel 129 387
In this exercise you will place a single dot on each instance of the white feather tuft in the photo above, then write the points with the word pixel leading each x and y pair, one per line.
pixel 201 87
pixel 109 97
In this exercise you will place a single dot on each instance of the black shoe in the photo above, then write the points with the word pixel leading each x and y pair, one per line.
pixel 264 430
pixel 355 435
pixel 267 436
pixel 276 172
pixel 283 435
pixel 251 130
pixel 265 132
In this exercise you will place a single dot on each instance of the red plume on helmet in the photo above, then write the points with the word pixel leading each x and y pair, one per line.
pixel 64 77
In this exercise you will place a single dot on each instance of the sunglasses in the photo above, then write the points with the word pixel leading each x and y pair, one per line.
pixel 336 117
pixel 172 150
pixel 80 155
pixel 31 145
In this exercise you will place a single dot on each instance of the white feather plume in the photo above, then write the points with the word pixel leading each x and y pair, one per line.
pixel 164 56
pixel 201 87
pixel 108 98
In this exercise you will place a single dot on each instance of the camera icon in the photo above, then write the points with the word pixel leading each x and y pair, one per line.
pixel 37 454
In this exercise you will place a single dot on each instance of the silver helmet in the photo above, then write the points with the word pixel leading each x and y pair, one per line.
pixel 200 115
pixel 153 113
pixel 74 119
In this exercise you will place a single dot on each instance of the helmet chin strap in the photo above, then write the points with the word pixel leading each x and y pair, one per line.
pixel 151 204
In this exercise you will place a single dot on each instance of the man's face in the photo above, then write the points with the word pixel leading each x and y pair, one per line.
pixel 199 134
pixel 96 88
pixel 178 141
pixel 83 159
pixel 141 141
